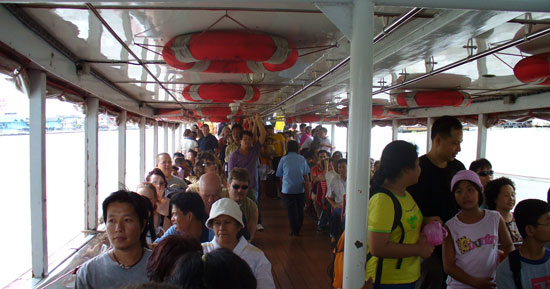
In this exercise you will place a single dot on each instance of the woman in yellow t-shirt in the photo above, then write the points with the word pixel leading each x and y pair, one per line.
pixel 399 168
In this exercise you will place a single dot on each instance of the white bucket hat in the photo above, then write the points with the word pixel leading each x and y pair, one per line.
pixel 225 206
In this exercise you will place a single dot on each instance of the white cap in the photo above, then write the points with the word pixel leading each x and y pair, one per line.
pixel 225 206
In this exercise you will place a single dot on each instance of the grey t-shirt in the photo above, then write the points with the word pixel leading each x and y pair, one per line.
pixel 102 272
pixel 534 274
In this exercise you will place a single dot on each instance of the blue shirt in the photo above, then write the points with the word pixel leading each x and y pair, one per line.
pixel 292 169
pixel 207 234
pixel 208 143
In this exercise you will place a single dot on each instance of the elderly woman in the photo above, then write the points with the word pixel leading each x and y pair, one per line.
pixel 226 220
pixel 501 196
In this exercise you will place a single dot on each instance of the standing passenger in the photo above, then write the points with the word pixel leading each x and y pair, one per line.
pixel 208 142
pixel 335 196
pixel 294 170
pixel 126 219
pixel 188 143
pixel 432 192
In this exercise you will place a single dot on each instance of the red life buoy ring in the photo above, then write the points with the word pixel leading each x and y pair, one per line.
pixel 378 111
pixel 230 52
pixel 216 118
pixel 224 93
pixel 215 111
pixel 431 99
pixel 534 69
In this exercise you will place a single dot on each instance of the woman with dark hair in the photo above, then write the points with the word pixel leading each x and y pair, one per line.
pixel 220 268
pixel 400 247
pixel 226 220
pixel 157 178
pixel 207 162
pixel 500 195
pixel 149 192
pixel 163 259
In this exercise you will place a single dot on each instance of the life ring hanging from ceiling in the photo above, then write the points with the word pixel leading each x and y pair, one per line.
pixel 431 99
pixel 534 69
pixel 215 111
pixel 233 51
pixel 223 93
pixel 378 111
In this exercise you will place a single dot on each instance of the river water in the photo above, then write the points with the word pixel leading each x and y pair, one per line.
pixel 519 153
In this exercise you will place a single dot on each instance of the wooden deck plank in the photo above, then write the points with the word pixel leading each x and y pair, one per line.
pixel 297 262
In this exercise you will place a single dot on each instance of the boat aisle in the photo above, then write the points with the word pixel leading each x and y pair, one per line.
pixel 297 262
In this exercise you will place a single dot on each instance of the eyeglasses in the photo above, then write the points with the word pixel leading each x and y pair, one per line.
pixel 486 173
pixel 207 164
pixel 237 187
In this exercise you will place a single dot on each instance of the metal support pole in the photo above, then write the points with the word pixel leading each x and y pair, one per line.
pixel 173 129
pixel 481 136
pixel 92 110
pixel 122 149
pixel 394 129
pixel 155 142
pixel 165 127
pixel 332 133
pixel 37 138
pixel 142 154
pixel 360 122
pixel 179 134
pixel 429 123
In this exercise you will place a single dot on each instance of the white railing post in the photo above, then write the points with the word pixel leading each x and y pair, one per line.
pixel 122 149
pixel 179 134
pixel 481 136
pixel 173 129
pixel 142 154
pixel 91 131
pixel 429 123
pixel 155 142
pixel 360 122
pixel 394 129
pixel 37 138
pixel 165 127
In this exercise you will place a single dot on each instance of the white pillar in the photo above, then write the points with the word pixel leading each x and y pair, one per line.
pixel 92 109
pixel 155 142
pixel 122 149
pixel 173 129
pixel 332 136
pixel 165 127
pixel 429 123
pixel 481 136
pixel 37 138
pixel 394 129
pixel 179 134
pixel 142 154
pixel 360 122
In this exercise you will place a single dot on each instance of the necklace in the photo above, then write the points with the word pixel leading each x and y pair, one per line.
pixel 126 267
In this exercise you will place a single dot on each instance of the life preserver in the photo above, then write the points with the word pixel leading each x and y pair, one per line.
pixel 215 111
pixel 216 118
pixel 431 99
pixel 534 69
pixel 230 52
pixel 378 111
pixel 224 93
pixel 537 45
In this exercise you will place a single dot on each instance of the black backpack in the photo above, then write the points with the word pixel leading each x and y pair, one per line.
pixel 515 267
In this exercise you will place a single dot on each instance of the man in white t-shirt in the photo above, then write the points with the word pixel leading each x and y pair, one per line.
pixel 188 142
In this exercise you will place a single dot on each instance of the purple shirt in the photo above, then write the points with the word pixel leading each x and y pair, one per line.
pixel 249 162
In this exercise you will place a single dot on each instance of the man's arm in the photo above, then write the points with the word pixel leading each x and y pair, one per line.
pixel 261 128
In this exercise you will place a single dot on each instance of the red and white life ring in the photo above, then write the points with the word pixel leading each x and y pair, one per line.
pixel 534 69
pixel 215 111
pixel 224 93
pixel 230 52
pixel 216 118
pixel 378 111
pixel 431 99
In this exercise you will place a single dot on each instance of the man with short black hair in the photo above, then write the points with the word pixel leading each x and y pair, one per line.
pixel 294 171
pixel 188 215
pixel 483 169
pixel 532 217
pixel 208 142
pixel 433 194
pixel 125 217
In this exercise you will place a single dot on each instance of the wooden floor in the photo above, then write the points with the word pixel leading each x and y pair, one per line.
pixel 297 262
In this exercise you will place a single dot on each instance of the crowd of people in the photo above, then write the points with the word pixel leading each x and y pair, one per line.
pixel 192 222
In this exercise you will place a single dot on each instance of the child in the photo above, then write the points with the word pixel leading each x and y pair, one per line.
pixel 398 254
pixel 470 253
pixel 533 220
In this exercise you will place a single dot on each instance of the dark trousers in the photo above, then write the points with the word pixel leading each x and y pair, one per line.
pixel 295 206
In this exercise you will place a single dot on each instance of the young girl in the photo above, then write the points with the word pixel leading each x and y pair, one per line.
pixel 399 169
pixel 470 252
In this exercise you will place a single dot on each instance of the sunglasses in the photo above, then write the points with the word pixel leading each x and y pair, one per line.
pixel 486 173
pixel 237 187
pixel 207 164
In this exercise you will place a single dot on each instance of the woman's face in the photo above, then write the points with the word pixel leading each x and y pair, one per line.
pixel 159 184
pixel 506 199
pixel 209 166
pixel 226 228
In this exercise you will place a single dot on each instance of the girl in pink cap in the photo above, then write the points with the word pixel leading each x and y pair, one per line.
pixel 470 251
